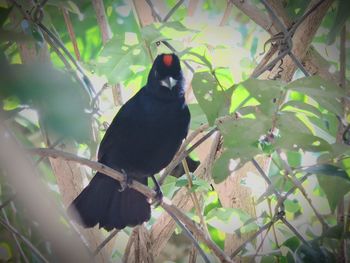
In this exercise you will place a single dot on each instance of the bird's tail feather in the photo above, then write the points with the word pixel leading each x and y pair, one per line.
pixel 101 203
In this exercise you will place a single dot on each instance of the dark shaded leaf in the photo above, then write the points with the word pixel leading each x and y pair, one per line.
pixel 333 180
pixel 343 13
pixel 4 13
pixel 59 99
pixel 313 254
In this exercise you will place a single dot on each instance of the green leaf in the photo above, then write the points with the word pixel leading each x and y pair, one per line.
pixel 268 259
pixel 197 116
pixel 333 180
pixel 266 92
pixel 182 181
pixel 301 107
pixel 240 146
pixel 11 103
pixel 176 25
pixel 200 55
pixel 232 159
pixel 343 14
pixel 294 141
pixel 117 60
pixel 327 169
pixel 326 93
pixel 197 183
pixel 209 95
pixel 68 5
pixel 200 185
pixel 294 135
pixel 169 187
pixel 292 243
pixel 4 13
pixel 292 206
pixel 313 254
pixel 151 34
pixel 294 158
pixel 228 220
pixel 61 102
pixel 235 132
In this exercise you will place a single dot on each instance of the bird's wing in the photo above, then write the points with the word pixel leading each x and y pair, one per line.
pixel 115 130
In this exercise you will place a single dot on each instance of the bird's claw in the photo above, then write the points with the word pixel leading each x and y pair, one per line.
pixel 158 198
pixel 126 182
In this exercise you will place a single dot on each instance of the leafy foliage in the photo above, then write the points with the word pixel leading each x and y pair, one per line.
pixel 294 125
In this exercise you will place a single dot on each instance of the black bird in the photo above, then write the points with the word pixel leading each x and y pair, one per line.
pixel 142 139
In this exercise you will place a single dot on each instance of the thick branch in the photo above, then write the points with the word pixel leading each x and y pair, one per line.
pixel 302 39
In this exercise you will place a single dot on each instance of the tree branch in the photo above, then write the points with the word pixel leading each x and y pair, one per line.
pixel 104 242
pixel 150 193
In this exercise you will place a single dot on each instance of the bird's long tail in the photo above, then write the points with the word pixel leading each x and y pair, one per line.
pixel 101 203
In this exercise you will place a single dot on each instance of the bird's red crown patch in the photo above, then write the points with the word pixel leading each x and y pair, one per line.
pixel 168 60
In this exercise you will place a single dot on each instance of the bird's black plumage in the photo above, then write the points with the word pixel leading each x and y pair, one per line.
pixel 142 139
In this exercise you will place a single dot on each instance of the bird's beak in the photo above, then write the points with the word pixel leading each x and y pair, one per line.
pixel 168 82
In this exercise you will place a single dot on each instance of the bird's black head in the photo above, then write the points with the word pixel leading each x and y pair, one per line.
pixel 165 78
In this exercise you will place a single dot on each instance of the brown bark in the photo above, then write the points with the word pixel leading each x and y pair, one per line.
pixel 301 40
pixel 102 20
pixel 192 7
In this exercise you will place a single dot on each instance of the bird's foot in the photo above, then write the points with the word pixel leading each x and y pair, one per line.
pixel 158 198
pixel 127 181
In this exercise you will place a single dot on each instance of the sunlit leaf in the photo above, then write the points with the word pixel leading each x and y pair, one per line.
pixel 267 92
pixel 210 95
pixel 117 60
pixel 298 106
pixel 228 219
pixel 326 93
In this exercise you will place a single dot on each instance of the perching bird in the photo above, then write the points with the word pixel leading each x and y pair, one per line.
pixel 142 139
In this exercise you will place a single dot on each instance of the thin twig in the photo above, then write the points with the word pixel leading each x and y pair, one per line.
pixel 7 202
pixel 297 184
pixel 305 15
pixel 188 233
pixel 266 178
pixel 176 213
pixel 273 226
pixel 104 242
pixel 273 49
pixel 184 154
pixel 154 12
pixel 168 45
pixel 172 11
pixel 227 13
pixel 298 235
pixel 24 239
pixel 251 238
pixel 194 197
pixel 129 244
pixel 52 146
pixel 179 155
pixel 261 243
pixel 16 239
pixel 57 41
pixel 72 37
